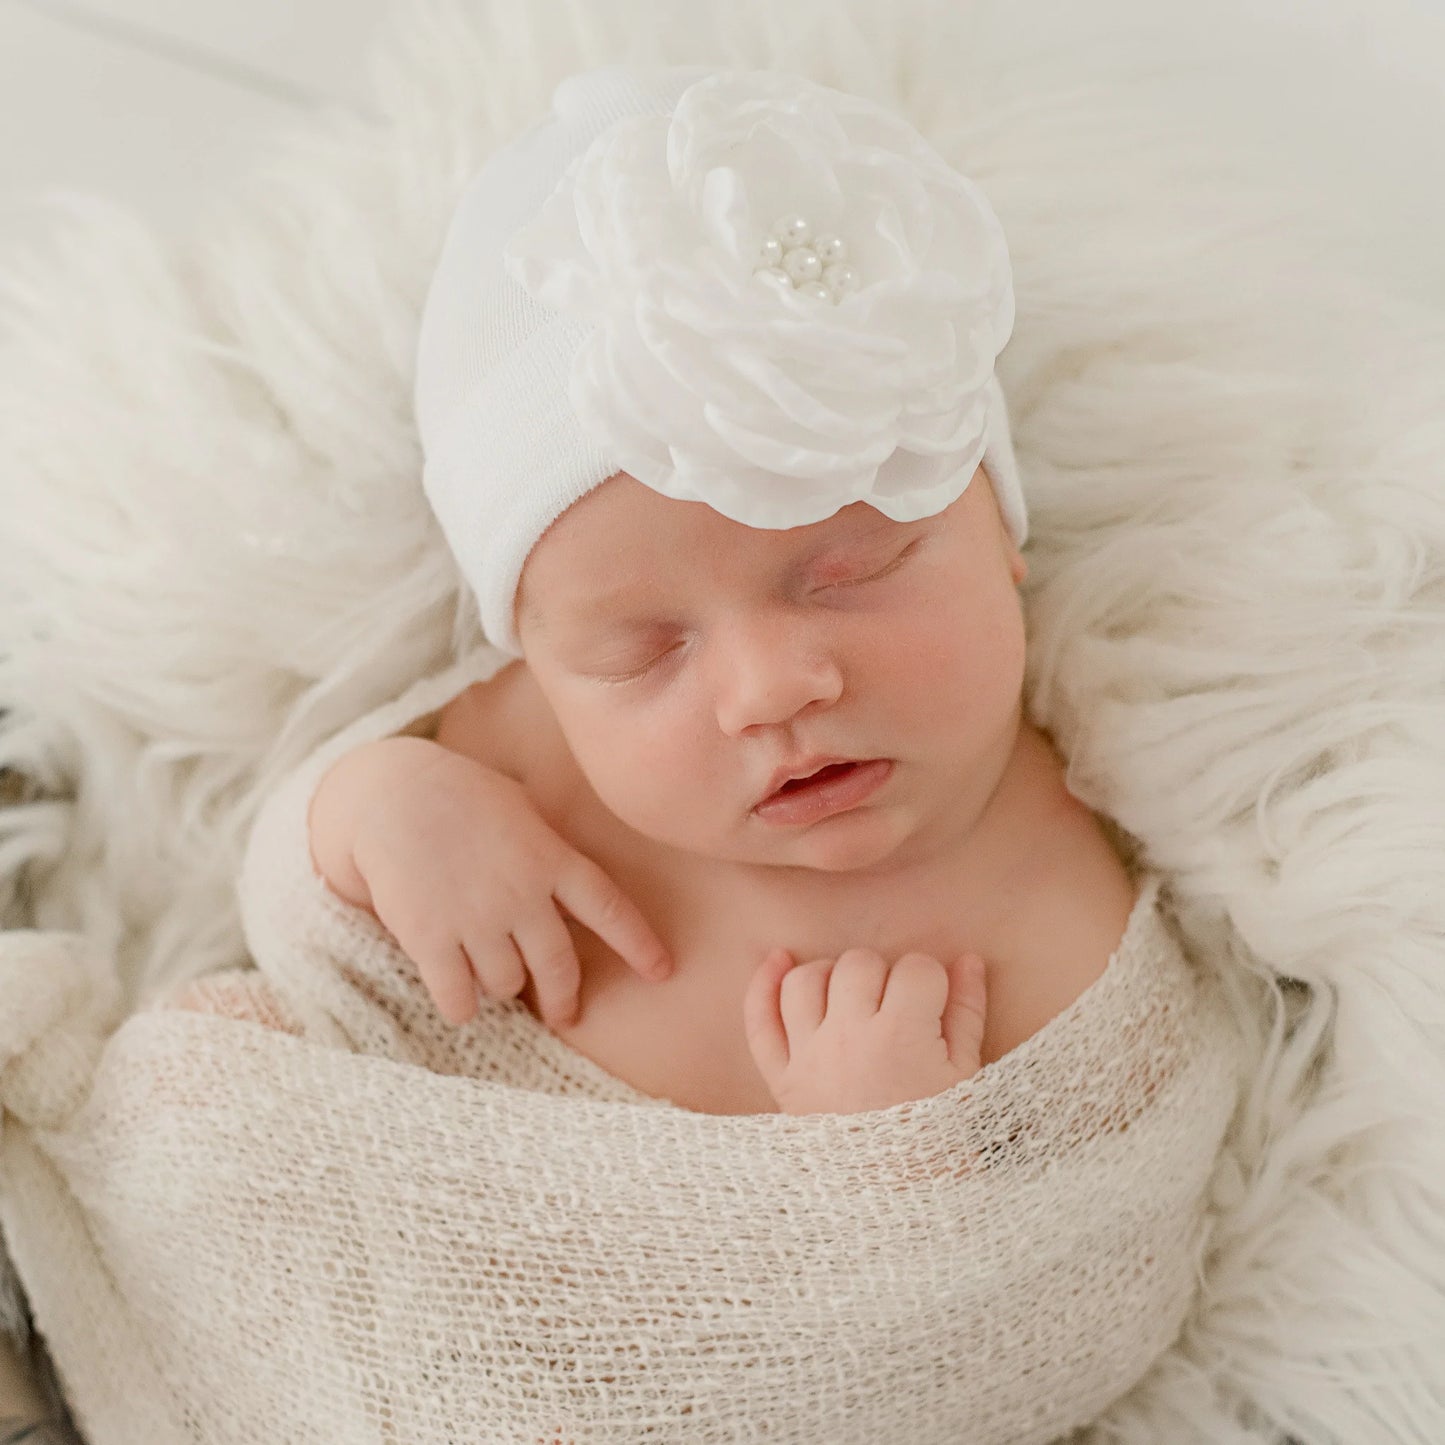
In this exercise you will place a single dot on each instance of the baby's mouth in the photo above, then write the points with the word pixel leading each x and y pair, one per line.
pixel 829 770
pixel 832 788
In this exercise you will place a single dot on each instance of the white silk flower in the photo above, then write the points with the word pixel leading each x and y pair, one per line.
pixel 796 302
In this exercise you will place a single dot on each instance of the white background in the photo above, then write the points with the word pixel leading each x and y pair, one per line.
pixel 157 101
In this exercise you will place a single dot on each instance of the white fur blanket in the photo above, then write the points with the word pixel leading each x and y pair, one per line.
pixel 1227 382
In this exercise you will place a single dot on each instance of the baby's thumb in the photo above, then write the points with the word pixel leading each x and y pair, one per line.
pixel 767 1035
pixel 964 1012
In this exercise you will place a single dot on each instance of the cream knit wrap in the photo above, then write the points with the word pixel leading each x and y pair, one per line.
pixel 357 1224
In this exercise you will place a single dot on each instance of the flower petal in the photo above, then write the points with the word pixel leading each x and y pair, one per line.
pixel 772 405
pixel 790 458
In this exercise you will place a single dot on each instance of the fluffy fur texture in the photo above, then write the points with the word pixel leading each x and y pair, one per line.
pixel 1227 384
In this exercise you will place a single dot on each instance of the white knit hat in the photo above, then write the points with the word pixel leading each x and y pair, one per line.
pixel 740 287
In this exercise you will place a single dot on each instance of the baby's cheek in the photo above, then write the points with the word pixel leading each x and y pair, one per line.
pixel 653 791
pixel 984 658
pixel 939 678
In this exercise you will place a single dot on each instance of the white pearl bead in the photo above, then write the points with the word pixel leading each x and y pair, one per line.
pixel 803 264
pixel 830 248
pixel 794 230
pixel 772 252
pixel 816 289
pixel 841 280
pixel 775 276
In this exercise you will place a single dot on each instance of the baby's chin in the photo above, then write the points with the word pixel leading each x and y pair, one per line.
pixel 864 839
pixel 861 841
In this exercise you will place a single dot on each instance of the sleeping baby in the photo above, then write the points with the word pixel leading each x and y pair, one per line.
pixel 747 819
pixel 753 818
pixel 715 973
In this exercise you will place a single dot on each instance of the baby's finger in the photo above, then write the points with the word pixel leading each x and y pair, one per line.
pixel 547 950
pixel 916 990
pixel 447 974
pixel 762 1020
pixel 595 901
pixel 496 965
pixel 965 1011
pixel 856 982
pixel 804 998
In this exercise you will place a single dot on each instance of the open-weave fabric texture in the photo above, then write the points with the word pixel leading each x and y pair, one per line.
pixel 323 1213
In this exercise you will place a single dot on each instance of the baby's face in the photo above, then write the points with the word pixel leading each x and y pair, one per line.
pixel 688 656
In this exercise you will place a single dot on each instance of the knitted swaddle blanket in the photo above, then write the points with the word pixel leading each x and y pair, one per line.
pixel 312 1210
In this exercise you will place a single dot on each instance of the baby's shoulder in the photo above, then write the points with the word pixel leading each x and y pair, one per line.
pixel 484 721
pixel 1087 891
pixel 1058 843
pixel 506 723
pixel 1080 893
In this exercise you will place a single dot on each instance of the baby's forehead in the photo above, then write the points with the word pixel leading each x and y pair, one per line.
pixel 660 565
pixel 622 522
pixel 677 537
pixel 623 544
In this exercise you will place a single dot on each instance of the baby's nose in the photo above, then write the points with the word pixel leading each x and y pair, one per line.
pixel 768 673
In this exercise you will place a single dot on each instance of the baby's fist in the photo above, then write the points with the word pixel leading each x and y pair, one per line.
pixel 845 1035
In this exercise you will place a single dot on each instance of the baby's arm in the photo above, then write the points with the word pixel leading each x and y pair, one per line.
pixel 244 993
pixel 454 859
pixel 348 792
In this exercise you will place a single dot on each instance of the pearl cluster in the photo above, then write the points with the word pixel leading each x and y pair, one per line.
pixel 815 265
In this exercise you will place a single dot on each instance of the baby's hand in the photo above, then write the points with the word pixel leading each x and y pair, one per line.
pixel 852 1034
pixel 456 862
